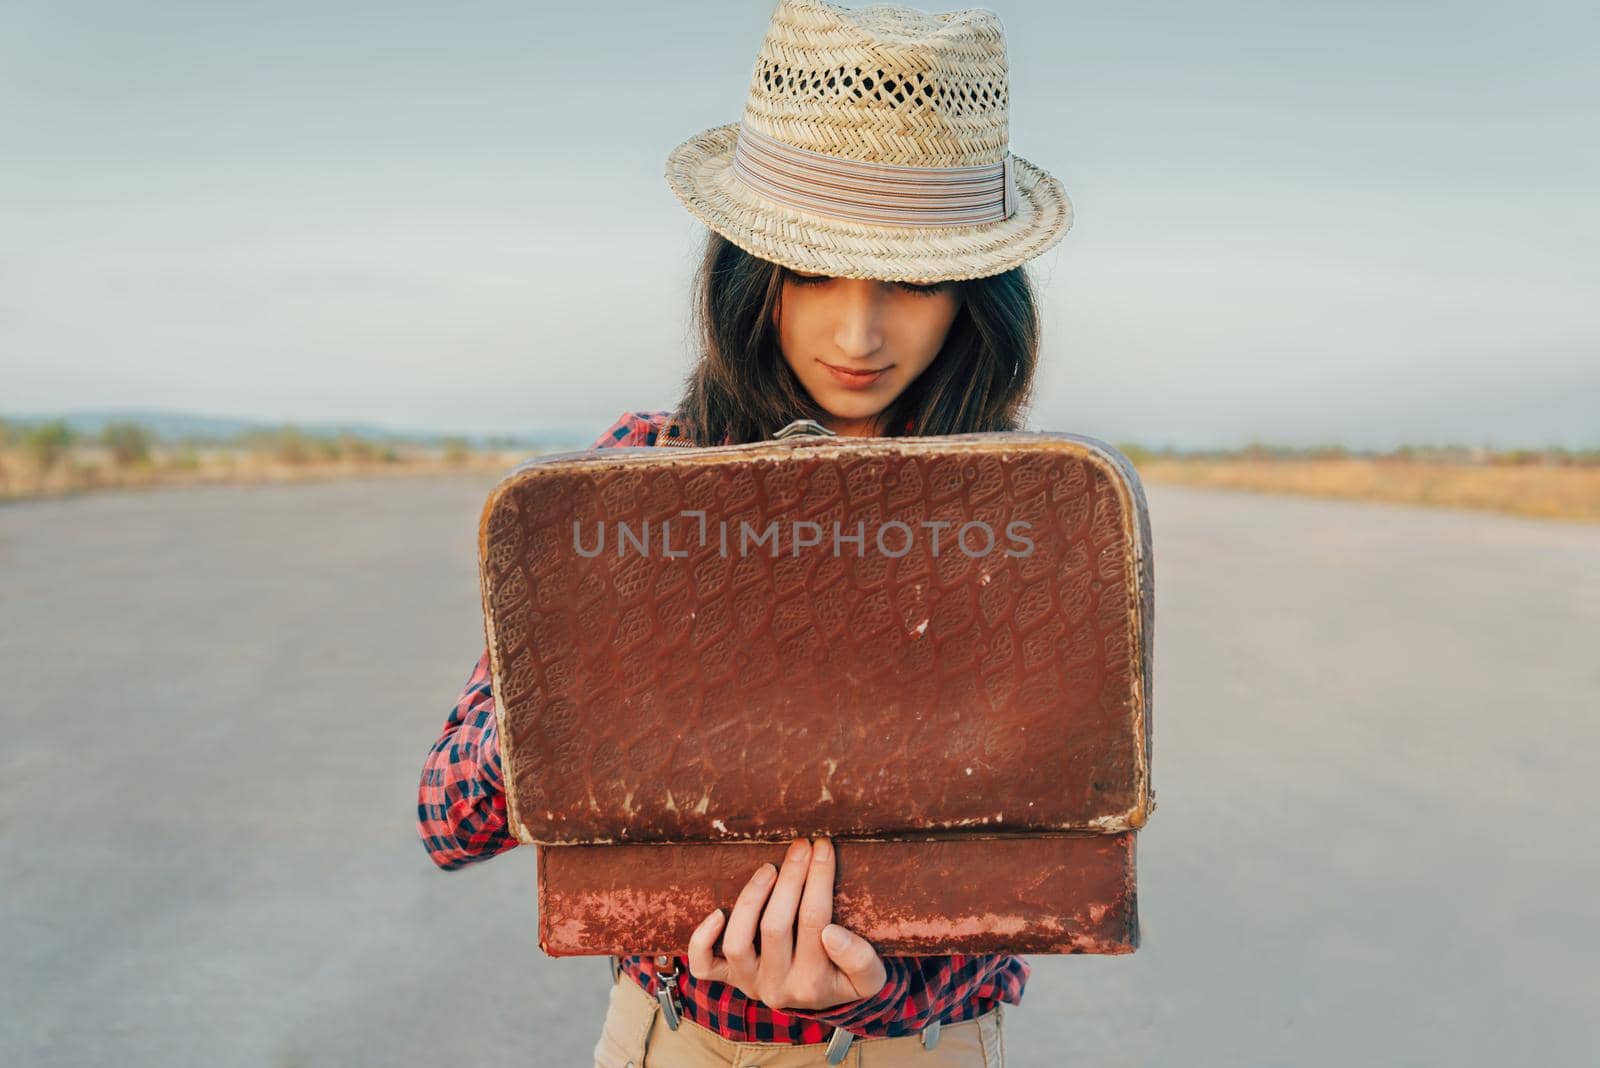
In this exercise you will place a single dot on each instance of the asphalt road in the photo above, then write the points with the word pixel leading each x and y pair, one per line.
pixel 1377 759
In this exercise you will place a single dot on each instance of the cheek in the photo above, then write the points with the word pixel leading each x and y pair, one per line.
pixel 783 327
pixel 926 331
pixel 791 326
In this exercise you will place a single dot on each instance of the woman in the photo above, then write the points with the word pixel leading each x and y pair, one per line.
pixel 867 227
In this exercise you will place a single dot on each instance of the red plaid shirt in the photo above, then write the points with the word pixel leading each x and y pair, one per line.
pixel 461 814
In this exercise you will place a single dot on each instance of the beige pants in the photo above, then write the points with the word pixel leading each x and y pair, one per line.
pixel 635 1035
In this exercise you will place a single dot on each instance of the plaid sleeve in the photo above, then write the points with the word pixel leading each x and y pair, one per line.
pixel 922 989
pixel 632 428
pixel 461 802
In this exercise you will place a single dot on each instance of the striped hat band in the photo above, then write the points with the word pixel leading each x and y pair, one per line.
pixel 853 190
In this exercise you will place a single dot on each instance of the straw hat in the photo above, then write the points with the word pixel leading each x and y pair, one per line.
pixel 874 144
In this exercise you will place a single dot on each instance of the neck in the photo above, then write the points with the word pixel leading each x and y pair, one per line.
pixel 853 428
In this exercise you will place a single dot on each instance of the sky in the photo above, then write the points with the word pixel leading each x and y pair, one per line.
pixel 1295 222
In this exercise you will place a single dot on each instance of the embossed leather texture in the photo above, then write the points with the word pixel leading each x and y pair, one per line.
pixel 936 650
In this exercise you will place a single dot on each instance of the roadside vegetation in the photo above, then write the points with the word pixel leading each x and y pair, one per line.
pixel 1546 483
pixel 50 458
pixel 40 459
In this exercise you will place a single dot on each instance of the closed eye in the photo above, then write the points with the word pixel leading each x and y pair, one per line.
pixel 925 290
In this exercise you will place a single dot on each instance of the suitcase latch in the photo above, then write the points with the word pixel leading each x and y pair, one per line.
pixel 805 428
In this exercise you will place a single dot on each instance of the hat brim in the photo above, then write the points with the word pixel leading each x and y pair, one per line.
pixel 701 176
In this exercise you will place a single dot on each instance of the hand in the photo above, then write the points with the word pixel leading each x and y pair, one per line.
pixel 796 968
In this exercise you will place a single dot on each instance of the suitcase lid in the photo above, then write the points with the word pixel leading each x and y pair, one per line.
pixel 682 650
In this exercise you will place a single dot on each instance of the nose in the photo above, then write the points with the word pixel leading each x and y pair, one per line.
pixel 858 328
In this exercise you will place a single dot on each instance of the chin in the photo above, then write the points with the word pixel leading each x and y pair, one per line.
pixel 856 404
pixel 854 411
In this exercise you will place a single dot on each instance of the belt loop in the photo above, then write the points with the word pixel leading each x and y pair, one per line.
pixel 991 1037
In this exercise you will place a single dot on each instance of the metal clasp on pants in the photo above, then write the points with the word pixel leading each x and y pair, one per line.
pixel 667 989
pixel 839 1044
pixel 839 1041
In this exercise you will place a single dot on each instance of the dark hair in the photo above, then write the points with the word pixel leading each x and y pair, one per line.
pixel 741 385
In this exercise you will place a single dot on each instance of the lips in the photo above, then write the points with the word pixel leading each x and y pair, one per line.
pixel 854 379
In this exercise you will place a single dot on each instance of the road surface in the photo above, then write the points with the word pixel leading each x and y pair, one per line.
pixel 1376 755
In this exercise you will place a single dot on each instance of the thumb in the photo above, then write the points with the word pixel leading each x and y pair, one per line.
pixel 856 959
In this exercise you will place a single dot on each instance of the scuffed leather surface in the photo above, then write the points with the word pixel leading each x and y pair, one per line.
pixel 1060 894
pixel 726 698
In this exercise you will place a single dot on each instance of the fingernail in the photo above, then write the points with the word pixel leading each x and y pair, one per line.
pixel 823 848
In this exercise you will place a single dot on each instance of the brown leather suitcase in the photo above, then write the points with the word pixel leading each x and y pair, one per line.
pixel 935 650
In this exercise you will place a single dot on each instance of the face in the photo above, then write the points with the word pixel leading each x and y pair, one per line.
pixel 856 344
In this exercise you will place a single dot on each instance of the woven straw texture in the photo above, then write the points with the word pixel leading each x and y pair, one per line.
pixel 881 84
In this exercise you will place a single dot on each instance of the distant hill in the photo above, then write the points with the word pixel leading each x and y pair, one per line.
pixel 201 428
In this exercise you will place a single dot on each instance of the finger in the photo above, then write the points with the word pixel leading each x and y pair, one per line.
pixel 777 919
pixel 816 909
pixel 863 970
pixel 738 940
pixel 703 960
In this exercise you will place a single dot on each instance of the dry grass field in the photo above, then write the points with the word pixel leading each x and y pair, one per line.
pixel 49 459
pixel 1509 483
pixel 21 476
